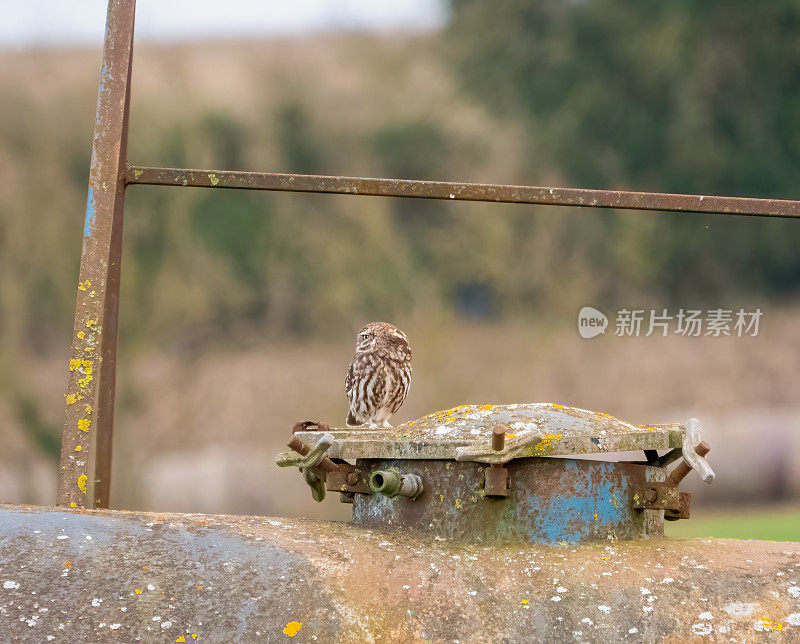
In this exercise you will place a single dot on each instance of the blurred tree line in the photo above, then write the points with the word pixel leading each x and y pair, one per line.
pixel 682 96
pixel 685 96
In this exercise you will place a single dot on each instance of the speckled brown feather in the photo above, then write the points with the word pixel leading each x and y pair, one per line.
pixel 379 376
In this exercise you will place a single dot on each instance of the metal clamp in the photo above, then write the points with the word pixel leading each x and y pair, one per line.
pixel 656 495
pixel 694 455
pixel 313 463
pixel 495 477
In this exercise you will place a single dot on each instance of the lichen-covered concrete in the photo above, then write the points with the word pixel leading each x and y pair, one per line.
pixel 80 576
pixel 464 433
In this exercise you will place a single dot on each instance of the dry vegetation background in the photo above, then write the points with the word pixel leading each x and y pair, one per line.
pixel 239 310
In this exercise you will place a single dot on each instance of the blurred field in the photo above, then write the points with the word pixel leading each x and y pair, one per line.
pixel 238 310
pixel 199 431
pixel 770 524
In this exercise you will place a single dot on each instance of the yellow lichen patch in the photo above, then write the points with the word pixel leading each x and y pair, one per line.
pixel 557 406
pixel 74 363
pixel 87 366
pixel 458 504
pixel 82 483
pixel 545 442
pixel 137 591
pixel 72 504
pixel 214 178
pixel 766 624
pixel 91 323
pixel 525 601
pixel 81 335
pixel 79 448
pixel 485 407
pixel 292 628
pixel 614 500
pixel 83 424
pixel 71 399
pixel 85 380
pixel 511 435
pixel 83 285
pixel 89 409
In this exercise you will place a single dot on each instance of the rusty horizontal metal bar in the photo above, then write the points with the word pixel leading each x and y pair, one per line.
pixel 448 190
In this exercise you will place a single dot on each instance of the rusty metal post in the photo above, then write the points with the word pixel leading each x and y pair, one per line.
pixel 92 362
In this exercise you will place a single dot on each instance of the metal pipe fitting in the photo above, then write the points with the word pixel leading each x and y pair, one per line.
pixel 391 484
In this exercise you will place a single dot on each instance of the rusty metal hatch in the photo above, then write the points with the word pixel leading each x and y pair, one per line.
pixel 85 466
pixel 497 473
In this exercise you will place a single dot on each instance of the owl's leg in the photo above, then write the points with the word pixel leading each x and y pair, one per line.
pixel 385 424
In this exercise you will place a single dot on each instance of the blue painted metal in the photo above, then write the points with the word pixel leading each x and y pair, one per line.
pixel 556 501
pixel 90 212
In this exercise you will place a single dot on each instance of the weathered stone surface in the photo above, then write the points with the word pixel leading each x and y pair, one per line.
pixel 84 576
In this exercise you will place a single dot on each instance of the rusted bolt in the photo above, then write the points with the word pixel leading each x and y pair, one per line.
pixel 651 495
pixel 683 468
pixel 298 446
pixel 352 478
pixel 498 439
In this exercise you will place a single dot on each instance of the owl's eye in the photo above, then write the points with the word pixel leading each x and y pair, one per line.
pixel 363 336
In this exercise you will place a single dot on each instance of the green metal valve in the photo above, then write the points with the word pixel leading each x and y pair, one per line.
pixel 391 484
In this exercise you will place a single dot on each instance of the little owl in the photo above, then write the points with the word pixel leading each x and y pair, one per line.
pixel 378 379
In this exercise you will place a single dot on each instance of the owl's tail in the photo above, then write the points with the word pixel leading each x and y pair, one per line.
pixel 352 421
